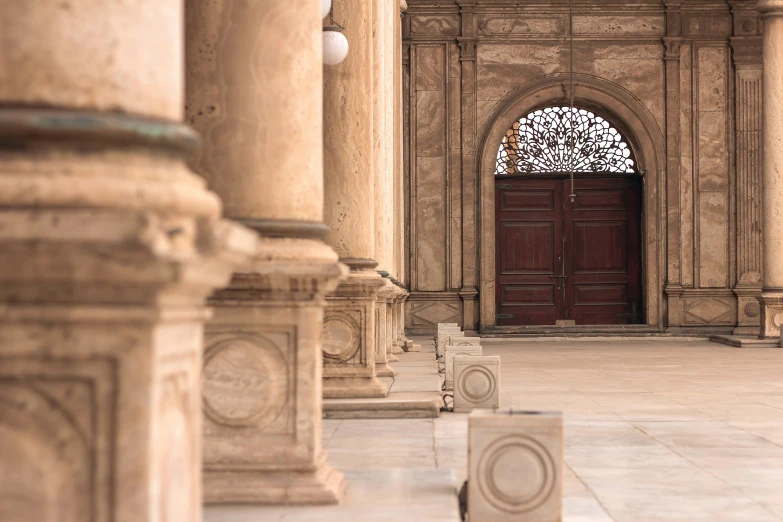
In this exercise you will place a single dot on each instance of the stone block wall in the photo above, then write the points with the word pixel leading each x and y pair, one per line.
pixel 692 70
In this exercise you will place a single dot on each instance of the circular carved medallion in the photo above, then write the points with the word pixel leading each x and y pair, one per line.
pixel 752 309
pixel 245 379
pixel 477 384
pixel 341 338
pixel 516 474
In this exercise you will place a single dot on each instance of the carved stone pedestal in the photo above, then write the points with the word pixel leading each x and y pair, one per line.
pixel 349 338
pixel 261 381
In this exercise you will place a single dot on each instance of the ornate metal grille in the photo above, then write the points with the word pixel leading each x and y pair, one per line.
pixel 545 140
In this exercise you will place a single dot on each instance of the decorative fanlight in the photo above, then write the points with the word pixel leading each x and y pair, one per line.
pixel 335 42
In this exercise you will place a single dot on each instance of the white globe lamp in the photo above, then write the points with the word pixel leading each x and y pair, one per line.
pixel 335 45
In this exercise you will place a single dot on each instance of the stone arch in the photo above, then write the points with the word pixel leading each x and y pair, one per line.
pixel 633 119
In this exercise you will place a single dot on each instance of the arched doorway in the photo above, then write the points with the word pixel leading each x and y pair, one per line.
pixel 568 248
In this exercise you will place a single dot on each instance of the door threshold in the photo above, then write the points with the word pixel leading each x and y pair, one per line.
pixel 582 331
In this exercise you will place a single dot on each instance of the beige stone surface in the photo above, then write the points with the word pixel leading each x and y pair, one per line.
pixel 476 382
pixel 515 468
pixel 255 88
pixel 94 55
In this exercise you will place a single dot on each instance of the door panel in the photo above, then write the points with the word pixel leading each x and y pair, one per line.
pixel 529 229
pixel 603 252
pixel 562 260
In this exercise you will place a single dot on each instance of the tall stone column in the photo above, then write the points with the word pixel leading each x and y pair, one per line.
pixel 383 142
pixel 772 173
pixel 349 186
pixel 254 91
pixel 109 247
pixel 746 45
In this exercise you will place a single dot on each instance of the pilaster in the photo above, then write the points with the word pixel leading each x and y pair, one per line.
pixel 746 46
pixel 468 43
pixel 672 43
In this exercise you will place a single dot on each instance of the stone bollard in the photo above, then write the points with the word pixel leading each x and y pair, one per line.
pixel 450 353
pixel 476 382
pixel 515 466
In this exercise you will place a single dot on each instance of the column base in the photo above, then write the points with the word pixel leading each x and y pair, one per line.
pixel 354 388
pixel 392 358
pixel 771 310
pixel 384 370
pixel 397 349
pixel 322 485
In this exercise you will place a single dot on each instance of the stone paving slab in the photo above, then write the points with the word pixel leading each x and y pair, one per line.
pixel 384 495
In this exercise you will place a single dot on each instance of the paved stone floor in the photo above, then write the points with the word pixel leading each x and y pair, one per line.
pixel 656 430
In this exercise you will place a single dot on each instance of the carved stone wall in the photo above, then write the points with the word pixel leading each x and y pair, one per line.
pixel 687 71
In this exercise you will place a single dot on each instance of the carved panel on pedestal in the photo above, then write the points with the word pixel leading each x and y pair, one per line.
pixel 56 440
pixel 248 392
pixel 343 337
pixel 245 381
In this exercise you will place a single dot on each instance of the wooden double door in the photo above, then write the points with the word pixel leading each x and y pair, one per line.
pixel 577 261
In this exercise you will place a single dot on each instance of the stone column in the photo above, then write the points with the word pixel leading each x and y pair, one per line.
pixel 746 45
pixel 349 185
pixel 254 91
pixel 109 247
pixel 382 131
pixel 772 174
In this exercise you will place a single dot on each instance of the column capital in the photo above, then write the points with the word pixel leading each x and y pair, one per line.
pixel 672 46
pixel 747 50
pixel 467 48
pixel 770 7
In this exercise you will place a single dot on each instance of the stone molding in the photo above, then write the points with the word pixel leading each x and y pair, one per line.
pixel 645 137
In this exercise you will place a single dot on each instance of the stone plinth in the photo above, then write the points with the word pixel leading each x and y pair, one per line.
pixel 476 382
pixel 349 338
pixel 515 468
pixel 261 381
